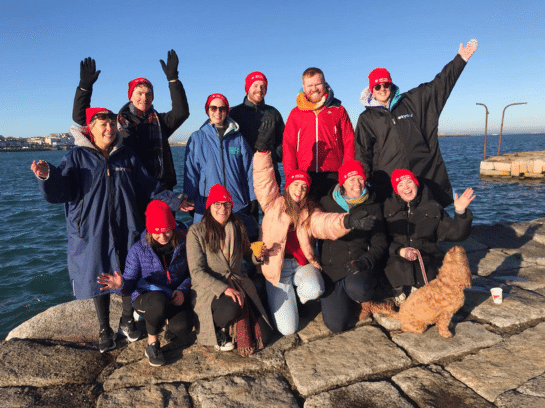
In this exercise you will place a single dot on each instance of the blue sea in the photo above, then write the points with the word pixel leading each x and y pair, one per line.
pixel 33 241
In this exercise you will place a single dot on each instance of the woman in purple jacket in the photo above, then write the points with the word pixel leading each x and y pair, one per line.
pixel 157 276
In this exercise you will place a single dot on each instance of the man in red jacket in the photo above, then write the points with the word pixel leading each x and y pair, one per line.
pixel 318 136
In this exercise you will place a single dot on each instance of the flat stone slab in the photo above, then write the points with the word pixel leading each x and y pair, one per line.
pixel 485 263
pixel 79 322
pixel 67 395
pixel 469 245
pixel 184 365
pixel 529 278
pixel 344 358
pixel 163 395
pixel 434 387
pixel 27 363
pixel 430 347
pixel 503 367
pixel 379 394
pixel 504 235
pixel 314 329
pixel 520 307
pixel 272 356
pixel 389 323
pixel 534 387
pixel 512 399
pixel 269 391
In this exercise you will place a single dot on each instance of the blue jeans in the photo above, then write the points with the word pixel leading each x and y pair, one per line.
pixel 282 301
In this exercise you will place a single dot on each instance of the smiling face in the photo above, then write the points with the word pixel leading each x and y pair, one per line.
pixel 162 238
pixel 221 211
pixel 257 92
pixel 354 186
pixel 217 112
pixel 142 97
pixel 383 94
pixel 104 132
pixel 298 190
pixel 314 87
pixel 407 190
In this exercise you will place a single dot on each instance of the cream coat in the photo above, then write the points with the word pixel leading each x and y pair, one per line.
pixel 276 222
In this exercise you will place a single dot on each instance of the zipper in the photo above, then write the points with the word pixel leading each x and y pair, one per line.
pixel 316 114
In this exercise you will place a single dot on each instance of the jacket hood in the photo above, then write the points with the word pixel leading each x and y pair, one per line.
pixel 231 128
pixel 368 99
pixel 81 138
pixel 304 104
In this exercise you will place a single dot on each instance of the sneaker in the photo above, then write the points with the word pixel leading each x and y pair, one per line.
pixel 399 299
pixel 129 330
pixel 169 336
pixel 225 342
pixel 106 340
pixel 155 355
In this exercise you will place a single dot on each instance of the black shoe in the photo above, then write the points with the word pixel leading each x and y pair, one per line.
pixel 106 340
pixel 169 336
pixel 155 355
pixel 129 329
pixel 225 342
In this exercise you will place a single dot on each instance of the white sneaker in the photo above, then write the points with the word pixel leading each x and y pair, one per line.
pixel 399 299
pixel 225 342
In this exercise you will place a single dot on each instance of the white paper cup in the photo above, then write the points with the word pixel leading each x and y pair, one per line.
pixel 496 294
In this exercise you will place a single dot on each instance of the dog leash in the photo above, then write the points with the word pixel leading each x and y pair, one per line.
pixel 422 266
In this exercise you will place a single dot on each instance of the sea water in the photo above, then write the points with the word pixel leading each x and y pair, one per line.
pixel 33 271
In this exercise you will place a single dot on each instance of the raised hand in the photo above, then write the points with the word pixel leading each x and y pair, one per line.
pixel 265 136
pixel 467 51
pixel 462 202
pixel 40 169
pixel 114 281
pixel 87 73
pixel 171 67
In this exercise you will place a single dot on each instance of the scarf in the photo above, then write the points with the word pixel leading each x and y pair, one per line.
pixel 347 202
pixel 305 105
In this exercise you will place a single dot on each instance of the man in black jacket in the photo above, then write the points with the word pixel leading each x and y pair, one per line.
pixel 145 130
pixel 400 130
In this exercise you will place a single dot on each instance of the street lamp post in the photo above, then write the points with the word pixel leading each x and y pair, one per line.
pixel 485 129
pixel 502 116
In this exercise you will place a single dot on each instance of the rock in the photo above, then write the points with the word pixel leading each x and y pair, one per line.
pixel 188 365
pixel 430 347
pixel 162 395
pixel 28 363
pixel 268 391
pixel 389 323
pixel 535 387
pixel 529 278
pixel 469 245
pixel 347 357
pixel 313 330
pixel 503 235
pixel 364 394
pixel 505 366
pixel 80 322
pixel 66 396
pixel 512 399
pixel 433 387
pixel 485 263
pixel 272 356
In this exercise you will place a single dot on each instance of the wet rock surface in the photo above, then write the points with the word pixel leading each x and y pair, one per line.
pixel 495 359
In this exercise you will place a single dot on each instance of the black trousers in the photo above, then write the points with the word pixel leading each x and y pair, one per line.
pixel 102 307
pixel 156 308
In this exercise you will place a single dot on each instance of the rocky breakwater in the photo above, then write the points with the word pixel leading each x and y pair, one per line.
pixel 495 359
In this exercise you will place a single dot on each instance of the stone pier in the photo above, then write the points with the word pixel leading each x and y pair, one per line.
pixel 522 165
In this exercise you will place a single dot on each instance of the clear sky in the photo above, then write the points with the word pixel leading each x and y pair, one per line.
pixel 220 42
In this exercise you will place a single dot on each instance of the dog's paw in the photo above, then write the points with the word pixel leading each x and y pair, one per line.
pixel 446 334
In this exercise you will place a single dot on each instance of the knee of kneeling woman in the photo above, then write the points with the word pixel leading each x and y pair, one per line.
pixel 310 291
pixel 287 326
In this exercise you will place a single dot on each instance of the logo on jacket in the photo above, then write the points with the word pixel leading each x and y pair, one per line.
pixel 409 115
pixel 122 169
pixel 235 150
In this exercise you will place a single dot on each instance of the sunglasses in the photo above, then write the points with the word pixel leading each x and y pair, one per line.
pixel 214 108
pixel 218 205
pixel 386 85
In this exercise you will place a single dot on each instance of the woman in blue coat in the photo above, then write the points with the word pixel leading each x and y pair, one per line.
pixel 157 276
pixel 101 183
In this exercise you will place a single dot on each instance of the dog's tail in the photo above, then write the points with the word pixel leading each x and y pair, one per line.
pixel 386 309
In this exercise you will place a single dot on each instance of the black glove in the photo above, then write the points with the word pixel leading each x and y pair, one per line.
pixel 171 67
pixel 356 266
pixel 360 220
pixel 88 73
pixel 265 135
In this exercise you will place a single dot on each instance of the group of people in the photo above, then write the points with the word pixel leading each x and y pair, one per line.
pixel 356 207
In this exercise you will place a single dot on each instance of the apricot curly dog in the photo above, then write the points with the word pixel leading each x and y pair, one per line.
pixel 436 302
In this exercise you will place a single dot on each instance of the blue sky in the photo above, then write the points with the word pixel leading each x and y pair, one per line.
pixel 220 42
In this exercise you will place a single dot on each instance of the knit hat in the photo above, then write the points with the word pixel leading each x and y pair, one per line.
pixel 378 76
pixel 159 217
pixel 402 174
pixel 139 81
pixel 218 193
pixel 90 112
pixel 350 169
pixel 216 96
pixel 297 175
pixel 252 77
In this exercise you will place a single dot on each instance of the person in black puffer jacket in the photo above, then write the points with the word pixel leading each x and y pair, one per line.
pixel 351 263
pixel 415 223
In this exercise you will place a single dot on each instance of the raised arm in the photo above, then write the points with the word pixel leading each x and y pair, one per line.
pixel 88 76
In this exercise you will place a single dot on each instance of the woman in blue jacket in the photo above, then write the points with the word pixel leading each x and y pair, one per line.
pixel 218 154
pixel 157 276
pixel 101 183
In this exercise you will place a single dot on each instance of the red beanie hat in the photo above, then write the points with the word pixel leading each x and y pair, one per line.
pixel 297 175
pixel 216 96
pixel 378 76
pixel 218 193
pixel 159 217
pixel 252 77
pixel 90 112
pixel 139 81
pixel 350 169
pixel 402 174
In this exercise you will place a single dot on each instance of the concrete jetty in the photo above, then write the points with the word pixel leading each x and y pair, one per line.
pixel 521 165
pixel 495 359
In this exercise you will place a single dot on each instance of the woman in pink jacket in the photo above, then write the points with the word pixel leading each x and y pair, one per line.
pixel 291 221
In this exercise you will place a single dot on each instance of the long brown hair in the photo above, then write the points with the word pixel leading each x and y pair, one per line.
pixel 215 232
pixel 294 210
pixel 174 240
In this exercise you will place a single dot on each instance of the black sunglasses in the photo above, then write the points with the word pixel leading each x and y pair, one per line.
pixel 214 108
pixel 386 85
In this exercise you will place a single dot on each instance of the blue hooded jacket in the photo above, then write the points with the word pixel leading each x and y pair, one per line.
pixel 209 161
pixel 101 199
